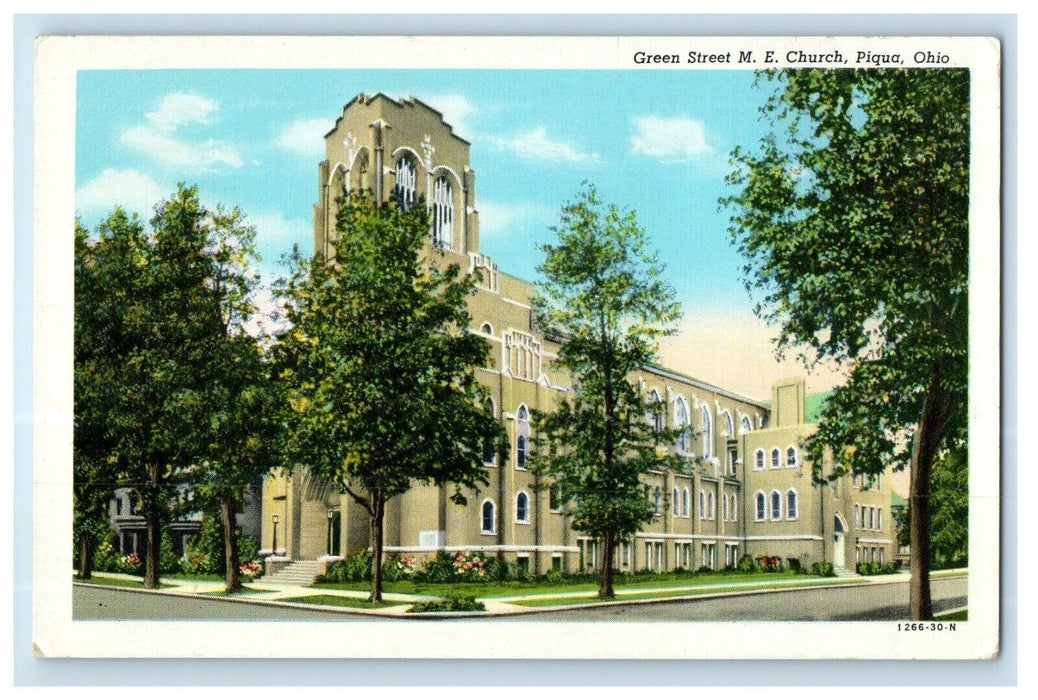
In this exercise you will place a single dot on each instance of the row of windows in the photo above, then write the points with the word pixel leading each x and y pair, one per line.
pixel 866 483
pixel 523 510
pixel 707 504
pixel 655 555
pixel 523 441
pixel 681 421
pixel 868 517
pixel 769 507
pixel 869 555
pixel 792 459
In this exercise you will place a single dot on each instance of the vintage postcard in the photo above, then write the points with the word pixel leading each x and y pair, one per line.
pixel 513 347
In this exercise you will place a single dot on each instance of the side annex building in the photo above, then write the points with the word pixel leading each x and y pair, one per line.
pixel 751 495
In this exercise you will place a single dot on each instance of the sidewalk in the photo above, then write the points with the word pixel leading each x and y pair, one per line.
pixel 398 603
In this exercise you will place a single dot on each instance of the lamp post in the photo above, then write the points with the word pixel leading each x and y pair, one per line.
pixel 274 545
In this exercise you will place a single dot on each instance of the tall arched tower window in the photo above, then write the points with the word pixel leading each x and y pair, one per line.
pixel 406 183
pixel 443 213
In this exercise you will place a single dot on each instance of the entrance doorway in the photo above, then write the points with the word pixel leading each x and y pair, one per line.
pixel 334 531
pixel 838 547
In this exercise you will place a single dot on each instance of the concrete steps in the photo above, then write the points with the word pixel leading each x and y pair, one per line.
pixel 298 573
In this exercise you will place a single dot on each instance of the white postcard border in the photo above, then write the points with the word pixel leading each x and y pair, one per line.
pixel 56 634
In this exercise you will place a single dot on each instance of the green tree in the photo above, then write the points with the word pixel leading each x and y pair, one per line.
pixel 240 414
pixel 951 509
pixel 155 352
pixel 602 298
pixel 853 218
pixel 99 266
pixel 378 365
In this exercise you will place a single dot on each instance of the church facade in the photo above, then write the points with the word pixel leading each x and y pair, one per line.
pixel 750 495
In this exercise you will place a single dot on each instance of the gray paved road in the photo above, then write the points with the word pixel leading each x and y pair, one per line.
pixel 880 602
pixel 89 603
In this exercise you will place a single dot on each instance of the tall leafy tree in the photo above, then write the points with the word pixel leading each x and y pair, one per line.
pixel 378 365
pixel 106 272
pixel 155 350
pixel 602 298
pixel 240 415
pixel 853 219
pixel 951 509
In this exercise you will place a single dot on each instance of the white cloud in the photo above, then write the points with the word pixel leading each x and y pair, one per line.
pixel 306 137
pixel 134 191
pixel 497 219
pixel 158 138
pixel 199 155
pixel 677 138
pixel 178 108
pixel 535 145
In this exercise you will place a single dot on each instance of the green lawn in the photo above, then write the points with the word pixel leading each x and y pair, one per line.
pixel 120 582
pixel 676 592
pixel 194 577
pixel 504 589
pixel 337 601
pixel 960 616
pixel 946 574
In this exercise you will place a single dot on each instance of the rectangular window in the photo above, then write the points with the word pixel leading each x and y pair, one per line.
pixel 522 563
pixel 556 562
pixel 879 519
pixel 702 505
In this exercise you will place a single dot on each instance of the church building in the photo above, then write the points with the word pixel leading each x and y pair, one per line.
pixel 751 493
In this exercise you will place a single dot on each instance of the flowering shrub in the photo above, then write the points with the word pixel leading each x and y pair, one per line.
pixel 399 569
pixel 251 569
pixel 130 564
pixel 469 567
pixel 105 557
pixel 769 563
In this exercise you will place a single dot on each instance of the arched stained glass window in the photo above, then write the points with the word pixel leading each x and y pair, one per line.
pixel 406 183
pixel 522 440
pixel 443 213
pixel 522 507
pixel 489 518
pixel 708 433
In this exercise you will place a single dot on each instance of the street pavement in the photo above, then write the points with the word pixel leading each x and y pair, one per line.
pixel 869 598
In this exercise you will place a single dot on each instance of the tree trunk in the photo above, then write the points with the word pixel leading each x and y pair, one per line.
pixel 86 555
pixel 932 423
pixel 605 589
pixel 232 577
pixel 378 509
pixel 151 562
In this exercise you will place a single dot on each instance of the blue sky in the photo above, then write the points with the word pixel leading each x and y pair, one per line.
pixel 656 142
